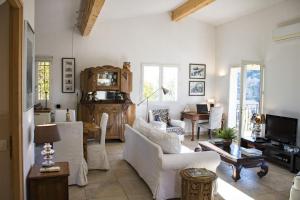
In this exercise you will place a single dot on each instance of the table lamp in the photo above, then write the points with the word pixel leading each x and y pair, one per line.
pixel 46 134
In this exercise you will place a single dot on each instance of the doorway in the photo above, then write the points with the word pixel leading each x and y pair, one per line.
pixel 245 95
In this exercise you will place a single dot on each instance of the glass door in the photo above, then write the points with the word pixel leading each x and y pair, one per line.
pixel 245 96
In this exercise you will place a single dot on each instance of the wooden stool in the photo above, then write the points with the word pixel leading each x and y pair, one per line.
pixel 197 184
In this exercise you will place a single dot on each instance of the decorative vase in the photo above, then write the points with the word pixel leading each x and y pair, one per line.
pixel 226 144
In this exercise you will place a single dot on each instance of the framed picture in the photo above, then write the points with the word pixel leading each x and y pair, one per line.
pixel 197 71
pixel 68 75
pixel 197 88
pixel 29 66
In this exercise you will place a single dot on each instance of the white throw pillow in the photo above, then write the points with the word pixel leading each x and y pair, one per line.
pixel 169 142
pixel 142 126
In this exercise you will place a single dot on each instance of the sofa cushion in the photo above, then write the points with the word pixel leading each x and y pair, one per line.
pixel 142 126
pixel 169 142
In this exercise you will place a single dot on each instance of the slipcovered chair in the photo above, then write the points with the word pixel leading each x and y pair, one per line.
pixel 160 119
pixel 96 152
pixel 214 122
pixel 70 149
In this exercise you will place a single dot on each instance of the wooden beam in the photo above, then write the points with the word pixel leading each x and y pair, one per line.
pixel 91 10
pixel 15 100
pixel 188 8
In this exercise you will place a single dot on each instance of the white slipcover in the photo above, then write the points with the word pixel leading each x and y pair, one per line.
pixel 161 171
pixel 60 115
pixel 295 190
pixel 96 152
pixel 70 149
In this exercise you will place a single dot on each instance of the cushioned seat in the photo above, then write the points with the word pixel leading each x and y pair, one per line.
pixel 161 120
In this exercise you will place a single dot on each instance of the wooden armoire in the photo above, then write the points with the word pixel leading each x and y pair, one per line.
pixel 107 89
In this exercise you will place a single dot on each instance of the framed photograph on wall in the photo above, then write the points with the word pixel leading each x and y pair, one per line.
pixel 197 88
pixel 29 66
pixel 197 71
pixel 68 75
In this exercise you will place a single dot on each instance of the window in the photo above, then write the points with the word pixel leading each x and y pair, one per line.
pixel 43 78
pixel 156 76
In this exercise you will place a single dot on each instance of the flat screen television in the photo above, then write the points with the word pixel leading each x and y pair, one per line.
pixel 281 129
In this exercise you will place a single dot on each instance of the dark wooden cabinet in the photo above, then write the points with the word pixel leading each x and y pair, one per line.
pixel 107 89
pixel 52 185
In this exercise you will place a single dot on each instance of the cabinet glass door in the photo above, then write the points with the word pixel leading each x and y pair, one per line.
pixel 107 79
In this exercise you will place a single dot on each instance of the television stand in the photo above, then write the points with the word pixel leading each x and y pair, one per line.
pixel 273 153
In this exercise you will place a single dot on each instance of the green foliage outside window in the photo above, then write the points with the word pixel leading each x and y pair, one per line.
pixel 43 80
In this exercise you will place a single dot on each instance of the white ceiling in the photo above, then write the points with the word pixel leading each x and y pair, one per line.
pixel 218 12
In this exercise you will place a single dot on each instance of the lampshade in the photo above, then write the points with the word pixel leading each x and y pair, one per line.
pixel 165 90
pixel 46 133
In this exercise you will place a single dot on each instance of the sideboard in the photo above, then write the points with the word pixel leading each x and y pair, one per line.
pixel 107 89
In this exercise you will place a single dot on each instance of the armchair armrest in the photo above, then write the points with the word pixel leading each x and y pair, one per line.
pixel 159 125
pixel 179 123
pixel 204 159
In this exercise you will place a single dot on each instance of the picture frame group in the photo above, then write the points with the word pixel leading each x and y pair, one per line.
pixel 68 75
pixel 197 71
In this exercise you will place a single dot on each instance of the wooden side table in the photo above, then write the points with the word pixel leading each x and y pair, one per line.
pixel 197 184
pixel 51 185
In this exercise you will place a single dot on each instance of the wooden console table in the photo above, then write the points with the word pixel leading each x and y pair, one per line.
pixel 194 117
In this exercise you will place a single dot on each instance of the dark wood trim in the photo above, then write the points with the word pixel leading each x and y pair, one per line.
pixel 15 98
pixel 16 3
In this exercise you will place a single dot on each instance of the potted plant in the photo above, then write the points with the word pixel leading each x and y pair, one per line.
pixel 227 134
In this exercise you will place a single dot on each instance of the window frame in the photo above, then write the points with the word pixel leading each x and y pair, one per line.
pixel 161 66
pixel 43 59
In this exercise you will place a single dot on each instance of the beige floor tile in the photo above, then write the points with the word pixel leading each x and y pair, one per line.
pixel 140 197
pixel 112 198
pixel 104 189
pixel 126 174
pixel 97 176
pixel 77 193
pixel 135 187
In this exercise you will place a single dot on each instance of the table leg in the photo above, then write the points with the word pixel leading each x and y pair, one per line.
pixel 193 129
pixel 236 172
pixel 264 169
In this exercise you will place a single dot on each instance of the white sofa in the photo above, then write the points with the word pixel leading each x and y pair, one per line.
pixel 161 171
pixel 70 149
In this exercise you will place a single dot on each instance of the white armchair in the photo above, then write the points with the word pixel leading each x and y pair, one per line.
pixel 166 124
pixel 70 149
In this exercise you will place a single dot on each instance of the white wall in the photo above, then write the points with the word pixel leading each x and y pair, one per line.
pixel 147 39
pixel 250 38
pixel 28 120
pixel 4 101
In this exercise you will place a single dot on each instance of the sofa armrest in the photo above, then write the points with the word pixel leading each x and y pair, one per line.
pixel 179 123
pixel 204 159
pixel 159 125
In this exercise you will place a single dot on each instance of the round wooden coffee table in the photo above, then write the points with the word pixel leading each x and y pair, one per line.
pixel 197 184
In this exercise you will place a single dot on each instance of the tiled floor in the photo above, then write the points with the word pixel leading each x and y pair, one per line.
pixel 122 182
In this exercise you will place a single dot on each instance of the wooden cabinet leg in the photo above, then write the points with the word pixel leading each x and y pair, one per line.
pixel 236 172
